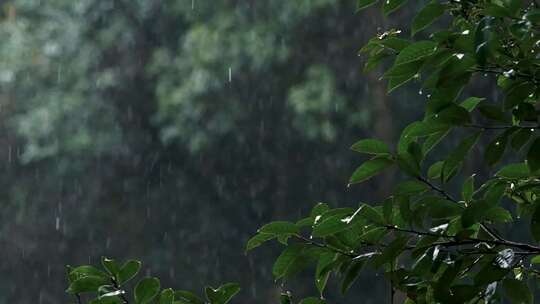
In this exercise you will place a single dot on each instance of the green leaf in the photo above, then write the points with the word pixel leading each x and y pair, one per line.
pixel 475 213
pixel 390 6
pixel 369 213
pixel 411 187
pixel 498 215
pixel 434 171
pixel 187 297
pixel 331 225
pixel 323 270
pixel 110 265
pixel 495 150
pixel 369 169
pixel 490 273
pixel 128 271
pixel 456 157
pixel 84 271
pixel 416 51
pixel 470 103
pixel 312 300
pixel 223 294
pixel 371 146
pixel 517 291
pixel 482 41
pixel 440 208
pixel 146 290
pixel 391 252
pixel 427 127
pixel 89 283
pixel 521 138
pixel 514 171
pixel 280 228
pixel 288 262
pixel 452 115
pixel 258 239
pixel 535 259
pixel 535 224
pixel 493 112
pixel 166 296
pixel 351 274
pixel 427 16
pixel 365 3
pixel 533 156
pixel 468 189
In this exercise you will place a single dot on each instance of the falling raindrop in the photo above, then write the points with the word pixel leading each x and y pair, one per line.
pixel 230 74
pixel 57 223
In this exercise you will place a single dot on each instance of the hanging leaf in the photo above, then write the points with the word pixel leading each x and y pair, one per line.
pixel 371 146
pixel 533 156
pixel 146 290
pixel 223 294
pixel 369 169
pixel 431 12
pixel 416 51
pixel 517 291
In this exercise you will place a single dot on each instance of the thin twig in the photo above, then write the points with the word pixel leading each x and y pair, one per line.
pixel 500 127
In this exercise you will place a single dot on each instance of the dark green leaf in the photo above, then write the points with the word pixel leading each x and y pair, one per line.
pixel 110 265
pixel 258 240
pixel 331 225
pixel 288 262
pixel 128 271
pixel 89 283
pixel 521 138
pixel 535 224
pixel 223 294
pixel 517 291
pixel 468 189
pixel 415 51
pixel 533 156
pixel 146 290
pixel 495 150
pixel 187 297
pixel 369 169
pixel 166 296
pixel 411 187
pixel 390 6
pixel 351 274
pixel 391 252
pixel 312 300
pixel 427 16
pixel 514 171
pixel 371 146
pixel 280 228
pixel 470 103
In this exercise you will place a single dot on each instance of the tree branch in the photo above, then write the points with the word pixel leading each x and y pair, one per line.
pixel 491 233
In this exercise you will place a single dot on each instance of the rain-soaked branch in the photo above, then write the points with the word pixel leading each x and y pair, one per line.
pixel 446 195
pixel 530 249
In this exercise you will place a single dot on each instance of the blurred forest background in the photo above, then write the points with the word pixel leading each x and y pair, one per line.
pixel 170 130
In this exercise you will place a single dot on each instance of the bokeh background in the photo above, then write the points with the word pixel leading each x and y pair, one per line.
pixel 169 131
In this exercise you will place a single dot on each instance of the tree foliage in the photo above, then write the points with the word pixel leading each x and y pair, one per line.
pixel 110 285
pixel 444 233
